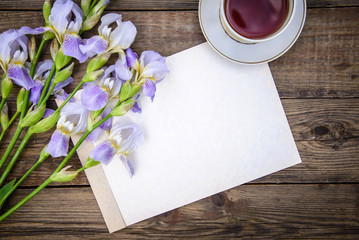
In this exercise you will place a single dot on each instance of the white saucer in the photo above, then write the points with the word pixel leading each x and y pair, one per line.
pixel 248 53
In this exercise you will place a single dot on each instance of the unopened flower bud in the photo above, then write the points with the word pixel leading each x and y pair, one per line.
pixel 92 76
pixel 61 60
pixel 90 22
pixel 54 48
pixel 91 163
pixel 32 48
pixel 85 7
pixel 99 7
pixel 46 123
pixel 4 116
pixel 6 87
pixel 46 11
pixel 64 74
pixel 128 90
pixel 64 175
pixel 33 116
pixel 20 99
pixel 48 35
pixel 97 113
pixel 97 62
pixel 123 108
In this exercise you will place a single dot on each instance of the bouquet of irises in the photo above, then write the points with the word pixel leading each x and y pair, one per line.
pixel 107 90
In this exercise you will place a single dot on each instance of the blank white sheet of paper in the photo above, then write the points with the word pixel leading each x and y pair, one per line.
pixel 212 126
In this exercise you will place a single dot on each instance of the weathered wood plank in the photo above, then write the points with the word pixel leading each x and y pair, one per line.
pixel 253 211
pixel 156 4
pixel 326 131
pixel 324 63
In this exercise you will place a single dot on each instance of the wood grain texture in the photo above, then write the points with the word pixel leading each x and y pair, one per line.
pixel 324 63
pixel 156 4
pixel 264 211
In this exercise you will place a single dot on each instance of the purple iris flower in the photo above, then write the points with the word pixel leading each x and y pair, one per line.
pixel 152 68
pixel 73 120
pixel 108 40
pixel 96 94
pixel 13 54
pixel 65 22
pixel 124 138
pixel 41 74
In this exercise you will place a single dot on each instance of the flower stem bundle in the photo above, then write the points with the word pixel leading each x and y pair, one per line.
pixel 107 90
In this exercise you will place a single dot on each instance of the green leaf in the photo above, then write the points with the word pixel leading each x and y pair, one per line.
pixel 4 192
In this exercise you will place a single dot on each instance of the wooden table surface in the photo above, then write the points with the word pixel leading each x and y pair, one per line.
pixel 318 82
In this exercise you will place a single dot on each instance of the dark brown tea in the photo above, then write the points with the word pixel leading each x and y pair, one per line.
pixel 256 19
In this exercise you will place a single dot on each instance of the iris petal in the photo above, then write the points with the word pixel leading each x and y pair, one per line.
pixel 103 153
pixel 94 45
pixel 58 145
pixel 149 88
pixel 93 97
pixel 20 76
pixel 71 47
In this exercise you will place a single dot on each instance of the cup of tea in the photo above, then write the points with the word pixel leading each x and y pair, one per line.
pixel 255 21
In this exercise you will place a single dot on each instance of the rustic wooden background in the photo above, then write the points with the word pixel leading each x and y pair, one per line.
pixel 318 82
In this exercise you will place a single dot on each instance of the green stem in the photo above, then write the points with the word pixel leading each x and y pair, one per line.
pixel 70 96
pixel 2 103
pixel 47 83
pixel 15 157
pixel 24 107
pixel 7 127
pixel 41 159
pixel 61 166
pixel 27 198
pixel 10 146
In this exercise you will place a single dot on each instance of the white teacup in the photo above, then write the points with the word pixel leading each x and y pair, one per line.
pixel 240 38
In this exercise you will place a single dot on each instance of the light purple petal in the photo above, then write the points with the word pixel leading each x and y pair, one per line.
pixel 35 92
pixel 136 108
pixel 123 36
pixel 33 31
pixel 92 137
pixel 7 39
pixel 103 153
pixel 42 69
pixel 62 96
pixel 63 84
pixel 149 88
pixel 107 124
pixel 122 71
pixel 48 112
pixel 60 12
pixel 107 20
pixel 20 76
pixel 94 45
pixel 131 58
pixel 93 97
pixel 128 165
pixel 154 65
pixel 131 136
pixel 71 47
pixel 58 145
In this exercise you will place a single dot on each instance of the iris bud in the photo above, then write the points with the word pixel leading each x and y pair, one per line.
pixel 92 76
pixel 64 175
pixel 46 11
pixel 20 99
pixel 33 117
pixel 97 62
pixel 4 116
pixel 90 22
pixel 32 48
pixel 63 74
pixel 85 7
pixel 48 35
pixel 6 87
pixel 123 108
pixel 128 90
pixel 46 123
pixel 43 154
pixel 91 163
pixel 61 60
pixel 54 48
